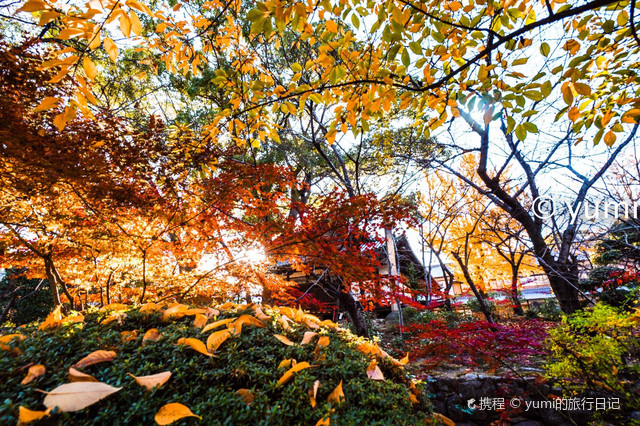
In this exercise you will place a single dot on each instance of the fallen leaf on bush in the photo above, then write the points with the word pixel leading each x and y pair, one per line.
pixel 117 316
pixel 78 376
pixel 194 344
pixel 443 419
pixel 78 395
pixel 284 321
pixel 114 307
pixel 94 358
pixel 289 374
pixel 74 319
pixel 260 314
pixel 227 306
pixel 284 340
pixel 369 349
pixel 323 342
pixel 152 381
pixel 286 363
pixel 128 336
pixel 194 311
pixel 374 372
pixel 405 360
pixel 4 340
pixel 217 324
pixel 171 412
pixel 152 335
pixel 236 326
pixel 329 324
pixel 27 416
pixel 247 396
pixel 34 372
pixel 313 393
pixel 150 307
pixel 413 399
pixel 210 313
pixel 307 337
pixel 325 421
pixel 337 396
pixel 200 321
pixel 176 311
pixel 53 320
pixel 216 339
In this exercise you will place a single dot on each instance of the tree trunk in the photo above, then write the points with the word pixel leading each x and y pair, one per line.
pixel 354 310
pixel 53 284
pixel 563 280
pixel 517 306
pixel 483 306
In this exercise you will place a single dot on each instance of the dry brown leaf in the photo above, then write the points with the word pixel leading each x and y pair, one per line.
pixel 227 306
pixel 247 395
pixel 313 393
pixel 260 314
pixel 284 321
pixel 289 374
pixel 78 376
pixel 78 395
pixel 308 336
pixel 171 412
pixel 216 339
pixel 250 320
pixel 27 416
pixel 217 324
pixel 200 321
pixel 152 381
pixel 337 396
pixel 34 372
pixel 284 340
pixel 194 344
pixel 311 324
pixel 53 320
pixel 210 313
pixel 152 335
pixel 374 372
pixel 94 358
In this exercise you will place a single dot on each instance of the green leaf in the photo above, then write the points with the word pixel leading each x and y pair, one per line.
pixel 355 21
pixel 415 47
pixel 406 60
pixel 545 49
pixel 521 132
pixel 255 15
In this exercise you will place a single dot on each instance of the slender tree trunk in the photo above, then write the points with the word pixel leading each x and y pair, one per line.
pixel 517 306
pixel 109 288
pixel 53 285
pixel 563 279
pixel 355 313
pixel 481 302
pixel 144 275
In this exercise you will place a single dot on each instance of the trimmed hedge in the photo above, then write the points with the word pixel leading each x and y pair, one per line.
pixel 207 385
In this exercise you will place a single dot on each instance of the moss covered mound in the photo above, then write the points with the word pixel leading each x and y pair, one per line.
pixel 240 382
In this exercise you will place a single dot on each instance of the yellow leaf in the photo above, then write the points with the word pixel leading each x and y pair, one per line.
pixel 374 372
pixel 308 336
pixel 332 26
pixel 454 6
pixel 216 339
pixel 337 396
pixel 54 319
pixel 413 399
pixel 34 372
pixel 152 381
pixel 210 313
pixel 610 138
pixel 47 17
pixel 73 319
pixel 286 363
pixel 89 68
pixel 313 393
pixel 284 322
pixel 194 311
pixel 33 6
pixel 128 336
pixel 194 344
pixel 152 335
pixel 325 421
pixel 405 360
pixel 95 41
pixel 284 340
pixel 171 412
pixel 78 395
pixel 177 311
pixel 289 374
pixel 323 342
pixel 574 114
pixel 95 357
pixel 117 316
pixel 111 48
pixel 125 25
pixel 47 104
pixel 78 376
pixel 69 33
pixel 27 416
pixel 247 396
pixel 261 315
pixel 199 321
pixel 136 27
pixel 236 326
pixel 227 306
pixel 217 324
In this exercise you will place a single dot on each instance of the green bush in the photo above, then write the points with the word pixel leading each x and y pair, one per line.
pixel 207 385
pixel 548 310
pixel 597 350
